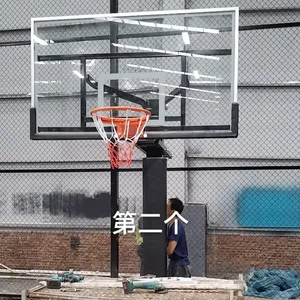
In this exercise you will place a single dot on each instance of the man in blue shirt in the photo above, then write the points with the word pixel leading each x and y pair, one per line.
pixel 177 251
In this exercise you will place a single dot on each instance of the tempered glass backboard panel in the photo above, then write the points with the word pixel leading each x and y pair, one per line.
pixel 181 65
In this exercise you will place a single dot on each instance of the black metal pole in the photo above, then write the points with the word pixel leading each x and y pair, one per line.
pixel 114 174
pixel 83 92
pixel 184 83
pixel 114 238
pixel 184 80
pixel 155 202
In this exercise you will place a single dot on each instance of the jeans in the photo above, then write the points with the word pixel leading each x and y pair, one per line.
pixel 178 271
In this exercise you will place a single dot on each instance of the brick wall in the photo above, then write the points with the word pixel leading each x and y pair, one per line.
pixel 53 251
pixel 237 253
pixel 227 254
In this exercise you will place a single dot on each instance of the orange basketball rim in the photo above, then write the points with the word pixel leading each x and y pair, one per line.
pixel 120 127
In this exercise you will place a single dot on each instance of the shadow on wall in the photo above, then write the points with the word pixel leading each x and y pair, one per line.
pixel 72 205
pixel 269 207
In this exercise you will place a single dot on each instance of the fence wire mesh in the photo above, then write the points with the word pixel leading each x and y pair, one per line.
pixel 247 190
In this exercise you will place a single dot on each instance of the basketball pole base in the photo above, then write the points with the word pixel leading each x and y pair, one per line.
pixel 155 202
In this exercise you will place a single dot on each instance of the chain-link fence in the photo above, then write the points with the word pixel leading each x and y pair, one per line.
pixel 55 205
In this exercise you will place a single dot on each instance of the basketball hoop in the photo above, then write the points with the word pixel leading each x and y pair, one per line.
pixel 126 124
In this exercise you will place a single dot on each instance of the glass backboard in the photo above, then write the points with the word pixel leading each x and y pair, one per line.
pixel 181 65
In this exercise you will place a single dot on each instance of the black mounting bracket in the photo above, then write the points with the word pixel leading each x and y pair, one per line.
pixel 154 148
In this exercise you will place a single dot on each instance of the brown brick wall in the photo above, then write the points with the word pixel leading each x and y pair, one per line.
pixel 52 251
pixel 227 254
pixel 237 253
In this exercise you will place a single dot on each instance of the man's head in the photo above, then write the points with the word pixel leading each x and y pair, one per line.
pixel 174 204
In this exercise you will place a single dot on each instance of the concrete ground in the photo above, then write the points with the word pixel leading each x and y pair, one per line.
pixel 111 289
pixel 97 287
pixel 75 291
pixel 118 294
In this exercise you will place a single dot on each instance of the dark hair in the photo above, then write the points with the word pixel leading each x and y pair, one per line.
pixel 176 204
